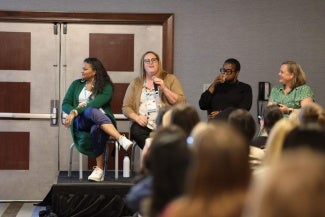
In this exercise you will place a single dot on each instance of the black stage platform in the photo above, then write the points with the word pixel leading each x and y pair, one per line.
pixel 74 197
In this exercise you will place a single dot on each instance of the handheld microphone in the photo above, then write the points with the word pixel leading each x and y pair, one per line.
pixel 154 84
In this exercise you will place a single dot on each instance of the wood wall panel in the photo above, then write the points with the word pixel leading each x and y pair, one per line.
pixel 15 97
pixel 166 20
pixel 15 52
pixel 117 101
pixel 116 51
pixel 14 150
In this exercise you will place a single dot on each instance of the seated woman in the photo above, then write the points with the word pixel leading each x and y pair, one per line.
pixel 87 102
pixel 147 93
pixel 293 92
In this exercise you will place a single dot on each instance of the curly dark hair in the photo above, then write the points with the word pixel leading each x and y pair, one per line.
pixel 101 77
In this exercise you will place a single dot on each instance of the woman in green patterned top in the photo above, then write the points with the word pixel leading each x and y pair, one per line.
pixel 292 93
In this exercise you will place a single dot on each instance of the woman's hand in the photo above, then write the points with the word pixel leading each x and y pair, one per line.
pixel 159 82
pixel 69 120
pixel 142 120
pixel 82 104
pixel 213 114
pixel 285 109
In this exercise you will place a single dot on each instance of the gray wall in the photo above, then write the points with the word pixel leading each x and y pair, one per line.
pixel 259 33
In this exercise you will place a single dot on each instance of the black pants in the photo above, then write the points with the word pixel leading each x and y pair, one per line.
pixel 139 134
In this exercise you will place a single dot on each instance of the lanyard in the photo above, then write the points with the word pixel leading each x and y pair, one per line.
pixel 148 92
pixel 152 104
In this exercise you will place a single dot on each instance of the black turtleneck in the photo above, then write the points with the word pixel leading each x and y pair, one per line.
pixel 236 95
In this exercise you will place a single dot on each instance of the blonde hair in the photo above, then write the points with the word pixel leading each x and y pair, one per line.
pixel 219 177
pixel 293 187
pixel 312 113
pixel 275 140
pixel 220 162
pixel 299 75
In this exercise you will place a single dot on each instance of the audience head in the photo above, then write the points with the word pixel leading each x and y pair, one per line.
pixel 162 111
pixel 244 122
pixel 312 113
pixel 275 140
pixel 220 160
pixel 293 187
pixel 308 135
pixel 271 115
pixel 183 115
pixel 168 161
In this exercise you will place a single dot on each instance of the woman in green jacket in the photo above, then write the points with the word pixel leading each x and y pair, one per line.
pixel 90 119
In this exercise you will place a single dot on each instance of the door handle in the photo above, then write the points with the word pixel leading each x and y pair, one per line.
pixel 52 116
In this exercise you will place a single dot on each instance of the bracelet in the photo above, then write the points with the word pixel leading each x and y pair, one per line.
pixel 75 112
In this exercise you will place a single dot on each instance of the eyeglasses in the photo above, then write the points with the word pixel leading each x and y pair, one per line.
pixel 226 71
pixel 152 60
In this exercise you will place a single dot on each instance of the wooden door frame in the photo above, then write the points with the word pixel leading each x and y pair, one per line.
pixel 166 20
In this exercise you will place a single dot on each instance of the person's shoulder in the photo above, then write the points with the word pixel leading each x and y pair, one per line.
pixel 78 82
pixel 136 81
pixel 304 87
pixel 169 76
pixel 277 86
pixel 108 85
pixel 245 85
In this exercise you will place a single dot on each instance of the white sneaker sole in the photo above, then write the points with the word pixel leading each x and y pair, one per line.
pixel 95 180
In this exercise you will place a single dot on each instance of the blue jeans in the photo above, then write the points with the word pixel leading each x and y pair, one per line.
pixel 91 120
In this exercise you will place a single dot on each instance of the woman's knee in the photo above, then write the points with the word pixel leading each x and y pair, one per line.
pixel 89 112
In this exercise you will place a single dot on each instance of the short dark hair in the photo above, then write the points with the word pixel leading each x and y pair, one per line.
pixel 309 135
pixel 244 122
pixel 271 115
pixel 234 62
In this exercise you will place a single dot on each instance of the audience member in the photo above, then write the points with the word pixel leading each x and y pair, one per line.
pixel 244 122
pixel 219 174
pixel 271 115
pixel 292 93
pixel 168 161
pixel 312 113
pixel 226 91
pixel 183 115
pixel 274 143
pixel 293 187
pixel 152 89
pixel 310 135
pixel 143 181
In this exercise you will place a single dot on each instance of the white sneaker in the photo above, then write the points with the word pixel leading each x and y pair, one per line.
pixel 97 175
pixel 125 142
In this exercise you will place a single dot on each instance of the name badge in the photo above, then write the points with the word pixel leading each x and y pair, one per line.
pixel 151 106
